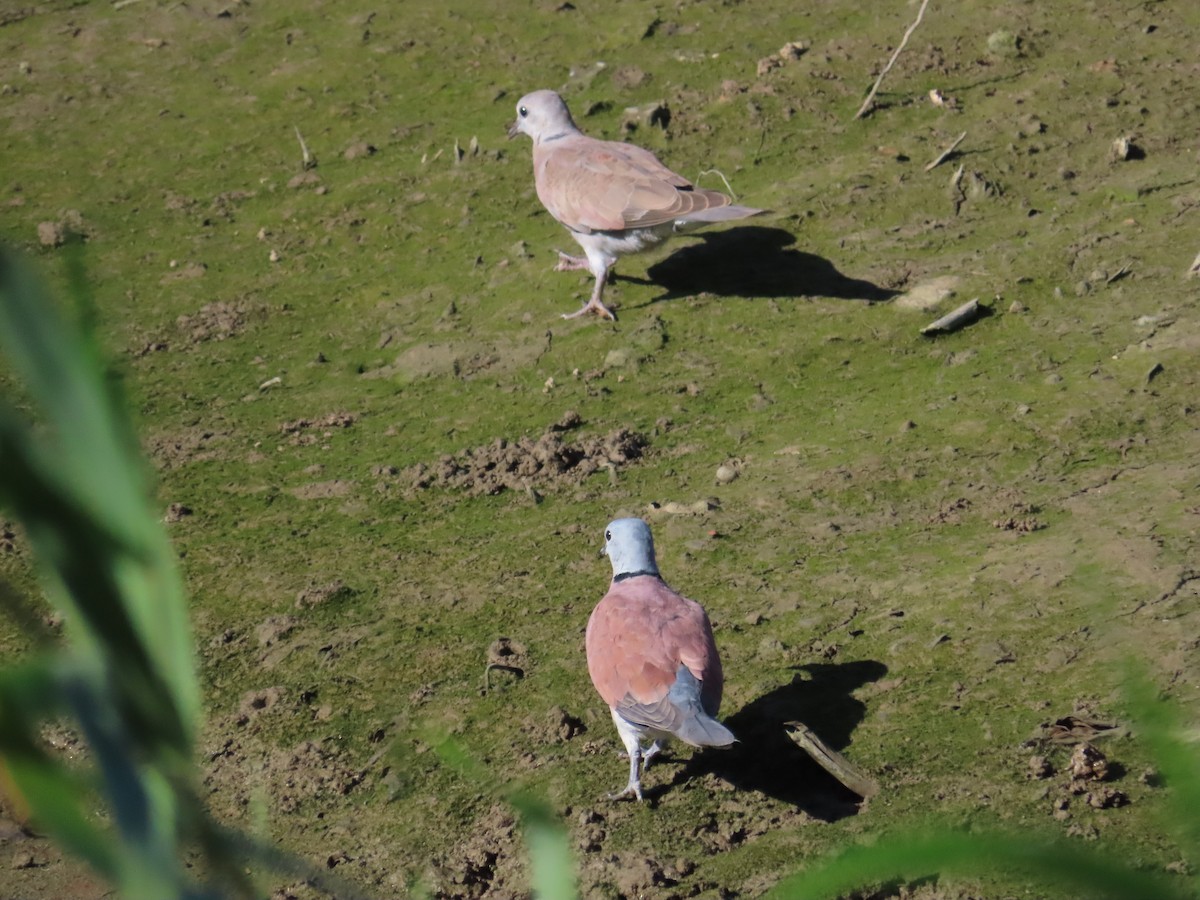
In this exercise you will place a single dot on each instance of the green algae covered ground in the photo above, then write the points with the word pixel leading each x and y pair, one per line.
pixel 386 461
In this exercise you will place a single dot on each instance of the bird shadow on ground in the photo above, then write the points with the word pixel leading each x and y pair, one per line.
pixel 765 759
pixel 754 261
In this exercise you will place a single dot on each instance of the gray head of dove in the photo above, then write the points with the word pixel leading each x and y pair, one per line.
pixel 543 116
pixel 630 547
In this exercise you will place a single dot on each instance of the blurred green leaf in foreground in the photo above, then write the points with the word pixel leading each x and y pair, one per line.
pixel 125 675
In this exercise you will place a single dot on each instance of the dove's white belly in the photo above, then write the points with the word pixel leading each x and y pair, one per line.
pixel 604 247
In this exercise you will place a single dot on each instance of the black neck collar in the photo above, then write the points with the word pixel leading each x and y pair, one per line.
pixel 639 572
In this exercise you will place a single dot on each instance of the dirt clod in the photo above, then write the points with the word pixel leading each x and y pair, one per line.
pixel 486 863
pixel 177 512
pixel 320 594
pixel 217 321
pixel 1039 767
pixel 274 628
pixel 507 652
pixel 543 462
pixel 1088 764
pixel 50 234
pixel 339 419
pixel 1105 797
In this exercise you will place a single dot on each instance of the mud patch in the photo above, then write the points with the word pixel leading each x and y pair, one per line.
pixel 460 359
pixel 169 451
pixel 320 594
pixel 322 490
pixel 217 321
pixel 275 628
pixel 254 703
pixel 637 875
pixel 308 774
pixel 546 461
pixel 311 431
pixel 486 864
pixel 926 295
pixel 557 727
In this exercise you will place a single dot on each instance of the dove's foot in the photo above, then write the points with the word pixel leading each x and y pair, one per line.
pixel 593 305
pixel 568 263
pixel 633 789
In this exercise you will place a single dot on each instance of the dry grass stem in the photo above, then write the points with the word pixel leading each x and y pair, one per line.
pixel 868 103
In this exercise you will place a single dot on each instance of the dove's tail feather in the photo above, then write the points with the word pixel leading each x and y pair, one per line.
pixel 704 731
pixel 700 217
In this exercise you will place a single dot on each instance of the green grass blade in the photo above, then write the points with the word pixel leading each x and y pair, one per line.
pixel 82 558
pixel 552 875
pixel 1161 726
pixel 92 458
pixel 1078 871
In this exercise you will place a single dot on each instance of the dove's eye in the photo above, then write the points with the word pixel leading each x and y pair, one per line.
pixel 608 535
pixel 522 112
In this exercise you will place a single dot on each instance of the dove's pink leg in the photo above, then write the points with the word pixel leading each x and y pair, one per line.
pixel 568 263
pixel 594 304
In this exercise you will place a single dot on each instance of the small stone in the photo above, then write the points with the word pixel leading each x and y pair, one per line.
pixel 304 179
pixel 359 150
pixel 50 234
pixel 1039 767
pixel 727 472
pixel 1004 44
pixel 767 63
pixel 793 50
pixel 1088 763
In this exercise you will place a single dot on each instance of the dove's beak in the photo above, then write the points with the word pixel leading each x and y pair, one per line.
pixel 513 131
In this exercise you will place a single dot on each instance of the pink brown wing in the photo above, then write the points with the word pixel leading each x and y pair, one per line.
pixel 637 638
pixel 592 185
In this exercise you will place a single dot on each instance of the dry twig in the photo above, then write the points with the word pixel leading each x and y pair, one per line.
pixel 832 761
pixel 720 175
pixel 945 154
pixel 952 321
pixel 306 158
pixel 867 104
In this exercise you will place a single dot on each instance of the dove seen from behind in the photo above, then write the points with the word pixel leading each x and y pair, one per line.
pixel 614 198
pixel 652 657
